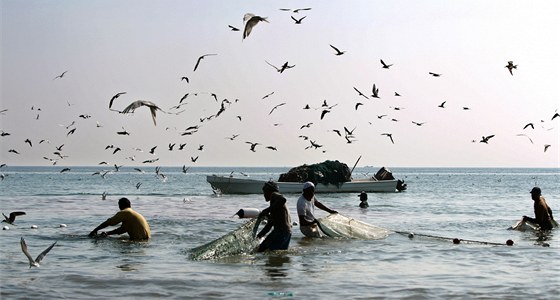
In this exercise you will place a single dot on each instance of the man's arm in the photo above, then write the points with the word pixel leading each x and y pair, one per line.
pixel 265 230
pixel 119 230
pixel 101 226
pixel 323 207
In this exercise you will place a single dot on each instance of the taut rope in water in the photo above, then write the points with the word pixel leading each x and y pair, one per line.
pixel 411 235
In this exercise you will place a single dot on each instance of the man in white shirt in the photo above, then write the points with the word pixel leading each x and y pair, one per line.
pixel 306 207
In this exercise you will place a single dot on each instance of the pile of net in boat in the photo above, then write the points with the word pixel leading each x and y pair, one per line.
pixel 339 226
pixel 327 172
pixel 240 241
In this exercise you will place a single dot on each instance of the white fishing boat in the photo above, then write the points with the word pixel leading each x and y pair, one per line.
pixel 237 185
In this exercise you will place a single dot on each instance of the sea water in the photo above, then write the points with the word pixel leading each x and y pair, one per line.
pixel 183 213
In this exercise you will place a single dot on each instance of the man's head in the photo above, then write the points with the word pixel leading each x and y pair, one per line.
pixel 536 193
pixel 308 190
pixel 124 203
pixel 268 188
pixel 363 196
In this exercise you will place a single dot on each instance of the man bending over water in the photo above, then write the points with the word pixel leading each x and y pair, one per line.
pixel 133 223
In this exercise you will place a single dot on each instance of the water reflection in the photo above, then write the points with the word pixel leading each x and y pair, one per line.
pixel 127 267
pixel 274 266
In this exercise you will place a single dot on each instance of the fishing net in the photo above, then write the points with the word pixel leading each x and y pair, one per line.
pixel 327 172
pixel 337 225
pixel 528 226
pixel 239 241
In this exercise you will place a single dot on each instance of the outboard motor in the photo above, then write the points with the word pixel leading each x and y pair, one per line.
pixel 401 186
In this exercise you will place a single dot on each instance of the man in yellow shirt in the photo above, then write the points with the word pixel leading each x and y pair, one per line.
pixel 133 223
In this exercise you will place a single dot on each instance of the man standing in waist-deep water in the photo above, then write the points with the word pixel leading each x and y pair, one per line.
pixel 306 208
pixel 278 217
pixel 543 213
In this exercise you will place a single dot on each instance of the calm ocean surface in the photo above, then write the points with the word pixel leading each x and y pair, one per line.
pixel 183 212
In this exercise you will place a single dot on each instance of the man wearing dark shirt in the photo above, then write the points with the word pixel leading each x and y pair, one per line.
pixel 278 218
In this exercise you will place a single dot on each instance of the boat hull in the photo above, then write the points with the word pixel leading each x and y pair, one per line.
pixel 234 185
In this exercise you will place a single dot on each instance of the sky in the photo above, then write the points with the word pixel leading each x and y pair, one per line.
pixel 144 48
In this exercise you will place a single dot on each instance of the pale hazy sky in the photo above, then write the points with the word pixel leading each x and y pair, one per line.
pixel 145 47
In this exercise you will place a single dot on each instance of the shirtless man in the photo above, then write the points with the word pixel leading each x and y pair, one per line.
pixel 543 213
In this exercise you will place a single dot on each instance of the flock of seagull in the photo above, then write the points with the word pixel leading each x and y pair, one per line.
pixel 251 21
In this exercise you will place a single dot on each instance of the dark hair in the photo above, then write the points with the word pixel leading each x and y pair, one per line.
pixel 270 186
pixel 124 203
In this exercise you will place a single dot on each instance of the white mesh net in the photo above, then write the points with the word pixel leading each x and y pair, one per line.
pixel 337 225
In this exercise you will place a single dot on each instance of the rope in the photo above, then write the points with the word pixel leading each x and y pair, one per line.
pixel 454 240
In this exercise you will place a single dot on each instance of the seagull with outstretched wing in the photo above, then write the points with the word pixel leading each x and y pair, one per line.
pixel 12 217
pixel 251 21
pixel 199 59
pixel 139 103
pixel 34 262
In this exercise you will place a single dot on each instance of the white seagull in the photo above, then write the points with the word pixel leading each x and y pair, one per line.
pixel 134 105
pixel 251 20
pixel 34 263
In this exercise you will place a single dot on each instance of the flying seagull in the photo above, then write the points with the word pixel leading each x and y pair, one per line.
pixel 117 95
pixel 233 28
pixel 12 217
pixel 360 93
pixel 61 75
pixel 199 59
pixel 521 134
pixel 338 52
pixel 434 74
pixel 275 107
pixel 267 95
pixel 385 66
pixel 486 138
pixel 375 91
pixel 281 69
pixel 324 112
pixel 139 103
pixel 546 147
pixel 529 125
pixel 297 10
pixel 442 105
pixel 253 145
pixel 34 263
pixel 390 136
pixel 510 67
pixel 298 21
pixel 251 20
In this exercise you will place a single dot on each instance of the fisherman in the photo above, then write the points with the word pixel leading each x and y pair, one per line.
pixel 306 207
pixel 363 200
pixel 543 213
pixel 133 223
pixel 278 217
